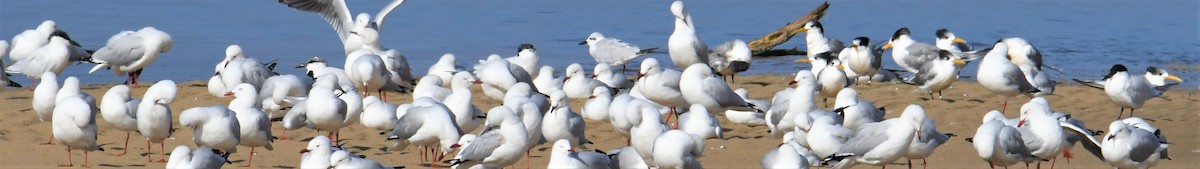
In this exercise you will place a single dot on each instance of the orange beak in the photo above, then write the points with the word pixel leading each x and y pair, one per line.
pixel 1021 123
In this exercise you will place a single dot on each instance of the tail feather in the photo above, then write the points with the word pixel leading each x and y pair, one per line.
pixel 647 51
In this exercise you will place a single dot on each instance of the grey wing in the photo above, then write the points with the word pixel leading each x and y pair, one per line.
pixel 383 13
pixel 408 125
pixel 1144 145
pixel 720 91
pixel 334 11
pixel 1028 137
pixel 921 54
pixel 1018 78
pixel 1090 143
pixel 868 136
pixel 613 50
pixel 520 74
pixel 672 78
pixel 923 75
pixel 483 146
pixel 836 46
pixel 1011 141
pixel 122 49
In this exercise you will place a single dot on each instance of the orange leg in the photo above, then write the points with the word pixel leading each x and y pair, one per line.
pixel 162 152
pixel 126 145
pixel 49 140
pixel 250 162
pixel 70 162
pixel 148 159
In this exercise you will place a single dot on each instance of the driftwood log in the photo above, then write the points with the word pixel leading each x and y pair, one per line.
pixel 765 46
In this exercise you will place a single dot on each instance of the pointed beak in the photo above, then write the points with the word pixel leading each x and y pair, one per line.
pixel 960 40
pixel 854 45
pixel 566 78
pixel 887 46
pixel 803 29
pixel 804 60
pixel 792 82
pixel 640 75
pixel 841 67
pixel 1171 77
pixel 591 97
pixel 302 151
pixel 455 146
pixel 959 62
pixel 919 135
pixel 593 76
pixel 571 150
pixel 477 82
pixel 1110 137
pixel 1021 123
pixel 584 42
pixel 354 32
pixel 228 93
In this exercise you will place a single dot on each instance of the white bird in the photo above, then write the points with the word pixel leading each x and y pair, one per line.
pixel 562 123
pixel 596 106
pixel 255 126
pixel 734 57
pixel 826 137
pixel 526 59
pixel 660 85
pixel 214 126
pixel 642 136
pixel 617 115
pixel 119 109
pixel 854 111
pixel 427 123
pixel 154 115
pixel 237 68
pixel 75 127
pixel 880 143
pixel 1154 75
pixel 1000 144
pixel 444 68
pixel 330 114
pixel 563 156
pixel 30 40
pixel 677 149
pixel 499 75
pixel 498 145
pixel 612 51
pixel 378 114
pixel 277 89
pixel 930 139
pixel 830 77
pixel 53 57
pixel 338 15
pixel 317 154
pixel 401 77
pixel 4 80
pixel 1042 133
pixel 431 86
pixel 1130 146
pixel 861 58
pixel 699 86
pixel 999 75
pixel 202 157
pixel 684 46
pixel 546 81
pixel 1125 89
pixel 345 160
pixel 354 105
pixel 1029 60
pixel 577 84
pixel 129 52
pixel 317 67
pixel 45 95
pixel 466 115
pixel 1142 124
pixel 910 54
pixel 817 43
pixel 71 88
pixel 937 75
pixel 366 70
pixel 788 104
pixel 698 121
pixel 785 156
pixel 604 73
pixel 749 118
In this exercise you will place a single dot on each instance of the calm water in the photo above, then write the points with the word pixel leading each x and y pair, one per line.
pixel 1083 38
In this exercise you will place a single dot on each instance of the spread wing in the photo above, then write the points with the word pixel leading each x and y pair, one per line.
pixel 334 11
pixel 383 13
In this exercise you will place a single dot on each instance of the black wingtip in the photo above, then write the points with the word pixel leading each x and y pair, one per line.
pixel 647 51
pixel 951 135
pixel 970 140
pixel 277 119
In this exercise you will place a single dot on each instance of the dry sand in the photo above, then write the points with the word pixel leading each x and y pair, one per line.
pixel 21 132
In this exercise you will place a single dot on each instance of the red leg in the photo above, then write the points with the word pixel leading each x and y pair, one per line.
pixel 49 140
pixel 148 151
pixel 924 164
pixel 70 162
pixel 126 145
pixel 1005 107
pixel 421 153
pixel 1067 154
pixel 527 159
pixel 283 134
pixel 162 152
pixel 250 162
pixel 85 159
pixel 1052 162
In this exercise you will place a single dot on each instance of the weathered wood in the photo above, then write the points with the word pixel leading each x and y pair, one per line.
pixel 764 45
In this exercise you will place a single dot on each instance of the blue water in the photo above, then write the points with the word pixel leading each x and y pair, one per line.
pixel 1083 38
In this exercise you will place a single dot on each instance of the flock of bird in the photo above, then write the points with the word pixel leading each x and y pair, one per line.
pixel 536 107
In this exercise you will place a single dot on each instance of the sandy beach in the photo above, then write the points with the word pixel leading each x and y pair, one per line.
pixel 21 133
